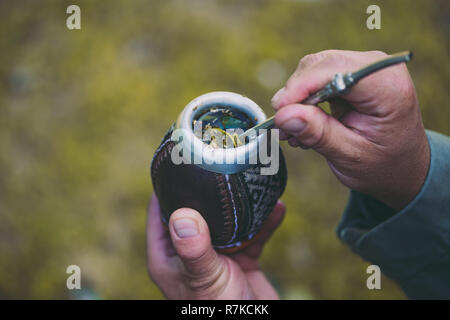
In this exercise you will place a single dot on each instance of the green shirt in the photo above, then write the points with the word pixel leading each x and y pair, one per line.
pixel 411 246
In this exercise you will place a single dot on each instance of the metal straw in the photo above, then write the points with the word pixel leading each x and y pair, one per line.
pixel 339 85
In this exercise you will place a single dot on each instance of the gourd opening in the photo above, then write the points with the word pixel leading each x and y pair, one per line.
pixel 220 126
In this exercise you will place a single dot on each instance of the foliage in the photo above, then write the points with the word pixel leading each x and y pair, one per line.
pixel 82 111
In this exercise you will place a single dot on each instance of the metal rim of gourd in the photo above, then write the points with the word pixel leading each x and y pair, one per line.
pixel 211 157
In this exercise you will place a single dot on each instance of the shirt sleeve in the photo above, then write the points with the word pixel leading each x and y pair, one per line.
pixel 411 246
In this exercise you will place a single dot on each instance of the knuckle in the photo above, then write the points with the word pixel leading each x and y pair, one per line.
pixel 353 157
pixel 199 284
pixel 315 112
pixel 193 250
pixel 336 58
pixel 312 138
pixel 378 53
pixel 313 115
pixel 317 136
pixel 408 89
pixel 331 53
pixel 310 59
pixel 404 87
pixel 304 60
pixel 292 81
pixel 207 283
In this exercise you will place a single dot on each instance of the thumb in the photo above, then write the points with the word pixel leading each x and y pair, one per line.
pixel 192 242
pixel 311 127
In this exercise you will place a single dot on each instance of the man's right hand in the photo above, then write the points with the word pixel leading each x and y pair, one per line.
pixel 375 142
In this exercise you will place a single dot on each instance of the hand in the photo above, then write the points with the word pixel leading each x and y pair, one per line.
pixel 184 265
pixel 374 141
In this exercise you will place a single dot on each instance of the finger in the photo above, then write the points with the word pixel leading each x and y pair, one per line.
pixel 339 107
pixel 192 242
pixel 313 72
pixel 318 69
pixel 313 128
pixel 159 246
pixel 268 228
pixel 301 85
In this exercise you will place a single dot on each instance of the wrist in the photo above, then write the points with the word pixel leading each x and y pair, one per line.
pixel 408 177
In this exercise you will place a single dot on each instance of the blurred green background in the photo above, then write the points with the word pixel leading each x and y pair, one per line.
pixel 82 111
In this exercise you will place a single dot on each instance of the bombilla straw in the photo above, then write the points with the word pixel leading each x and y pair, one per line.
pixel 339 85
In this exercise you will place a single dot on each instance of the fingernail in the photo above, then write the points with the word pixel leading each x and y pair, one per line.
pixel 185 227
pixel 293 126
pixel 277 97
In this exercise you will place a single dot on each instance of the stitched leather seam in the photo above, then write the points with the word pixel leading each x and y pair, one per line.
pixel 226 208
pixel 227 177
